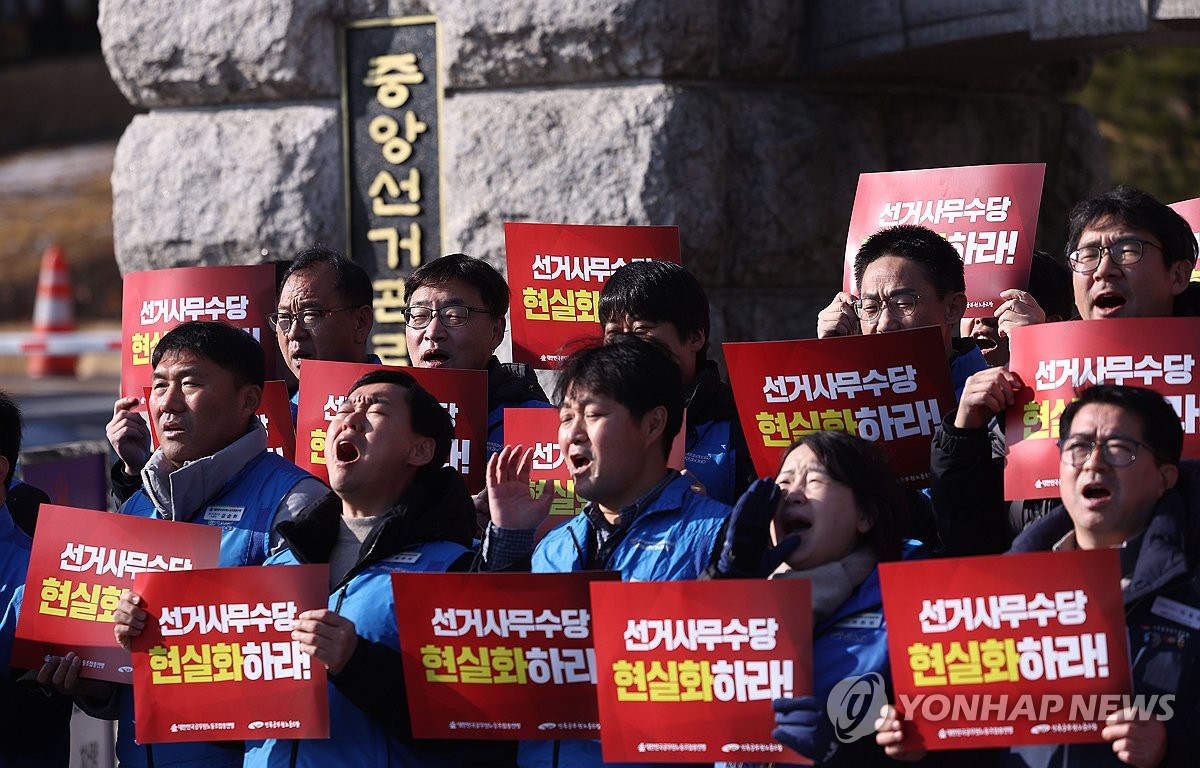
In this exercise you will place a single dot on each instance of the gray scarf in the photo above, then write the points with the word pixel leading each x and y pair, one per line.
pixel 832 583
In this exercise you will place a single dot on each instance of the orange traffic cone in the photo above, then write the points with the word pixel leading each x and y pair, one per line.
pixel 52 313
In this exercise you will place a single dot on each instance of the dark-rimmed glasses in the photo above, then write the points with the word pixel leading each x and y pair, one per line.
pixel 870 309
pixel 308 319
pixel 1116 451
pixel 451 315
pixel 1127 250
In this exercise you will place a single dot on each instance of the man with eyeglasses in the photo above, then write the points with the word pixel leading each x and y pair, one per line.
pixel 324 313
pixel 1123 487
pixel 455 319
pixel 1130 256
pixel 908 277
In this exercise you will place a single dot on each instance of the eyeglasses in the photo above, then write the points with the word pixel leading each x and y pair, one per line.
pixel 870 309
pixel 308 319
pixel 451 315
pixel 1116 451
pixel 1122 252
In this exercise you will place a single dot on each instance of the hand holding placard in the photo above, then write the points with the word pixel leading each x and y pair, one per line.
pixel 128 619
pixel 986 394
pixel 129 435
pixel 326 636
pixel 839 318
pixel 1019 309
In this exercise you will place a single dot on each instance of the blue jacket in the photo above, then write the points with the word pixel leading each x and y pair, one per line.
pixel 254 494
pixel 671 540
pixel 967 360
pixel 427 531
pixel 716 451
pixel 850 643
pixel 258 489
pixel 15 545
pixel 34 728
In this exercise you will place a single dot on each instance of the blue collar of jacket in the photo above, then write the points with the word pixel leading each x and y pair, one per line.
pixel 631 513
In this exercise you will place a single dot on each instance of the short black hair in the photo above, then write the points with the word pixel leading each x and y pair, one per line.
pixel 350 280
pixel 1050 285
pixel 638 373
pixel 231 348
pixel 864 468
pixel 942 265
pixel 1139 209
pixel 657 291
pixel 428 416
pixel 10 436
pixel 1161 430
pixel 474 272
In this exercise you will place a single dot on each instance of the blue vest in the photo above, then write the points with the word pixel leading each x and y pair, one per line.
pixel 711 458
pixel 672 540
pixel 258 489
pixel 355 738
pixel 254 494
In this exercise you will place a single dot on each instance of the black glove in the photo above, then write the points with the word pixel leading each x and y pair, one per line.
pixel 747 551
pixel 802 724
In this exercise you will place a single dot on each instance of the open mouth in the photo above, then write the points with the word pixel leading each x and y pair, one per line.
pixel 1097 492
pixel 579 463
pixel 791 526
pixel 434 358
pixel 986 342
pixel 1107 301
pixel 346 452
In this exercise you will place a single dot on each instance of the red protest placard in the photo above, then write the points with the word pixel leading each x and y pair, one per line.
pixel 556 271
pixel 157 301
pixel 687 670
pixel 988 213
pixel 498 656
pixel 463 393
pixel 80 564
pixel 274 411
pixel 892 388
pixel 1190 210
pixel 1057 360
pixel 1008 649
pixel 217 662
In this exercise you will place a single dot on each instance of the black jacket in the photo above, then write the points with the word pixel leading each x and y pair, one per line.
pixel 1165 652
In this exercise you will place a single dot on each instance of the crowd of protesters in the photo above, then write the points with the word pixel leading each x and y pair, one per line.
pixel 831 515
